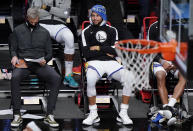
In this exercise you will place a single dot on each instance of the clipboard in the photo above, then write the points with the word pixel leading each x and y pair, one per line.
pixel 21 64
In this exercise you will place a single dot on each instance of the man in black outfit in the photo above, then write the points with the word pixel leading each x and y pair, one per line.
pixel 114 15
pixel 30 41
pixel 98 41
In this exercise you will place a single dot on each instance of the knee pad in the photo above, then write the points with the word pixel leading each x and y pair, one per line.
pixel 127 76
pixel 91 89
pixel 127 80
pixel 69 42
pixel 92 78
pixel 69 51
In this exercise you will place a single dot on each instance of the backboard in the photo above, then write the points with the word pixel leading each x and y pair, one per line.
pixel 176 23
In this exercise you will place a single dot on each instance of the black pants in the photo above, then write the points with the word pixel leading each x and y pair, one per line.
pixel 45 73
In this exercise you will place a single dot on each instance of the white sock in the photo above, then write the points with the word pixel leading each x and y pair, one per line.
pixel 124 108
pixel 68 67
pixel 172 102
pixel 165 105
pixel 93 109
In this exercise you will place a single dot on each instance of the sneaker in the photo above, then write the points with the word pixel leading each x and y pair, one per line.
pixel 77 70
pixel 50 120
pixel 171 121
pixel 16 121
pixel 124 118
pixel 91 119
pixel 167 112
pixel 156 117
pixel 70 80
pixel 65 82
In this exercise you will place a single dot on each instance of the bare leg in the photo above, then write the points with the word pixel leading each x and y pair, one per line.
pixel 179 89
pixel 68 64
pixel 68 57
pixel 92 100
pixel 160 76
pixel 125 99
pixel 177 93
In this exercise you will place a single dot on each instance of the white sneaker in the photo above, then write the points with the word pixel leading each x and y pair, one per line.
pixel 171 121
pixel 168 112
pixel 91 119
pixel 124 118
pixel 165 113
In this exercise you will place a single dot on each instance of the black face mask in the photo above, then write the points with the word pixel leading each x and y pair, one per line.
pixel 30 25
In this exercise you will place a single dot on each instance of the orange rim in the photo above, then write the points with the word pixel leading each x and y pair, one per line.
pixel 168 50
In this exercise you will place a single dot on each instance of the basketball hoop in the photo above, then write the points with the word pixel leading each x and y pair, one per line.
pixel 138 54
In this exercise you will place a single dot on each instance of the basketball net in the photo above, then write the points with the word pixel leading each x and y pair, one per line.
pixel 137 63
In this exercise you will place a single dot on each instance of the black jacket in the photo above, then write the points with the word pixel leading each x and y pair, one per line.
pixel 25 43
pixel 103 36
